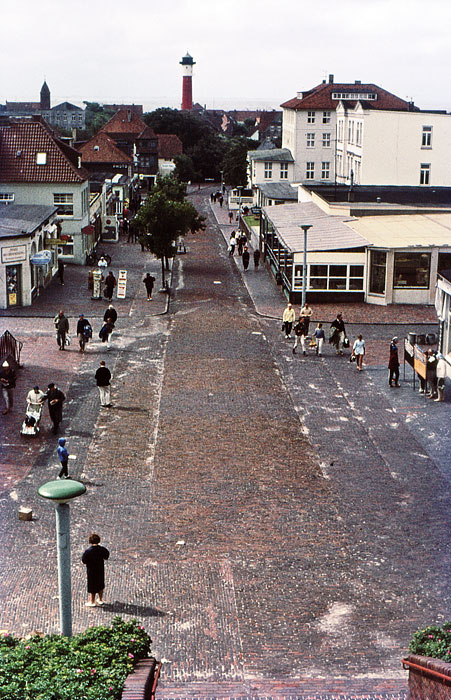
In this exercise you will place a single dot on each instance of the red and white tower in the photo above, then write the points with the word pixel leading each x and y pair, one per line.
pixel 187 88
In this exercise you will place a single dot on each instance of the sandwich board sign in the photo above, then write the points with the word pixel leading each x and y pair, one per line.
pixel 121 284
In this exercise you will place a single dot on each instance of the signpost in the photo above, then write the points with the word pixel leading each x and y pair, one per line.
pixel 121 284
pixel 96 284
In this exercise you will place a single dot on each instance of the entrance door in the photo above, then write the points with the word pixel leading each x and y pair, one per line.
pixel 13 286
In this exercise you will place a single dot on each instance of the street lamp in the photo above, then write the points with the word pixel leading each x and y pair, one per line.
pixel 222 178
pixel 61 492
pixel 305 228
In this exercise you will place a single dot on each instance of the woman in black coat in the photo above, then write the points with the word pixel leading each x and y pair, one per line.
pixel 94 558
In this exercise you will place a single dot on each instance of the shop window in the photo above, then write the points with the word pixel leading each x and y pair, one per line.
pixel 336 277
pixel 411 270
pixel 444 265
pixel 378 264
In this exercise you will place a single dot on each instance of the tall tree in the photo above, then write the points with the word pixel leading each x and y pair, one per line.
pixel 162 220
pixel 234 163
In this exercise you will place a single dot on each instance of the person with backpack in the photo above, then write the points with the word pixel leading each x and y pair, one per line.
pixel 84 332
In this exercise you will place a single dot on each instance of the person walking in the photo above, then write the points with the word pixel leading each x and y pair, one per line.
pixel 63 456
pixel 337 334
pixel 149 282
pixel 288 320
pixel 358 351
pixel 300 331
pixel 106 332
pixel 232 244
pixel 441 376
pixel 110 283
pixel 245 258
pixel 55 398
pixel 110 314
pixel 8 382
pixel 94 559
pixel 306 313
pixel 102 264
pixel 256 255
pixel 84 332
pixel 230 217
pixel 103 377
pixel 35 398
pixel 320 337
pixel 61 272
pixel 62 329
pixel 393 363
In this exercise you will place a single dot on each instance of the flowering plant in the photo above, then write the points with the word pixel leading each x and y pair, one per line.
pixel 433 641
pixel 92 665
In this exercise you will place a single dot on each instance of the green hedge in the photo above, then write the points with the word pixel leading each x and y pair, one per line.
pixel 433 641
pixel 89 666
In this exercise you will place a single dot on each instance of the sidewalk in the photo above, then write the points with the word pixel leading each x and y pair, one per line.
pixel 270 301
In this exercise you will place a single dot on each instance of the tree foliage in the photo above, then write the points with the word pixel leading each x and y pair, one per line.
pixel 234 163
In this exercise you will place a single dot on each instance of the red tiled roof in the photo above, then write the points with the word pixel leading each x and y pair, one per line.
pixel 320 97
pixel 147 133
pixel 169 146
pixel 102 149
pixel 20 141
pixel 137 109
pixel 125 121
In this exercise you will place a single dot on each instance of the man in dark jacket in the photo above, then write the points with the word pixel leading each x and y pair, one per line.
pixel 393 363
pixel 337 334
pixel 55 398
pixel 8 382
pixel 84 332
pixel 149 281
pixel 110 283
pixel 110 315
pixel 103 376
pixel 62 329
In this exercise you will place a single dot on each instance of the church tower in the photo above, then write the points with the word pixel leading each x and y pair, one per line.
pixel 45 97
pixel 187 64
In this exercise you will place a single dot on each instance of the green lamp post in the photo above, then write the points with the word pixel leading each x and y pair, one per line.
pixel 61 492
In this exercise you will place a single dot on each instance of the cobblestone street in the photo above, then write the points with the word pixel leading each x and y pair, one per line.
pixel 279 523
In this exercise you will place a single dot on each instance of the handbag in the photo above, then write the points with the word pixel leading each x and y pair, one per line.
pixel 67 339
pixel 346 343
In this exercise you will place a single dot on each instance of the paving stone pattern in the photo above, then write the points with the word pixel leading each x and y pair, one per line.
pixel 273 530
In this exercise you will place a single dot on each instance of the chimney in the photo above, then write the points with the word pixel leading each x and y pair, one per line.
pixel 331 78
pixel 129 115
pixel 357 82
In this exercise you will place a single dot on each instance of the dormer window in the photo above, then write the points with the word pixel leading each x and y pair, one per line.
pixel 41 158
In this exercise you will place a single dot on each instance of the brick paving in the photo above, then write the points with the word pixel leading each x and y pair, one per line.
pixel 278 535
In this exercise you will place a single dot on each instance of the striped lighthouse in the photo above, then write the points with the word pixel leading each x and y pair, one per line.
pixel 187 64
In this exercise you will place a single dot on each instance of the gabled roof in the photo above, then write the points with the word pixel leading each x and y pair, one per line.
pixel 102 149
pixel 169 146
pixel 326 233
pixel 22 140
pixel 147 133
pixel 67 106
pixel 125 121
pixel 320 97
pixel 274 154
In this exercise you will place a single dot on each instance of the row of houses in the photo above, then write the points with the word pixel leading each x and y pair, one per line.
pixel 56 200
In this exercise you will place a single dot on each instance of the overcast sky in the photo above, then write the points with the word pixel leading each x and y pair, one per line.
pixel 248 53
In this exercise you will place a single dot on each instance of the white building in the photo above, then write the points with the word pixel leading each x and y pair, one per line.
pixel 37 168
pixel 309 128
pixel 273 165
pixel 392 147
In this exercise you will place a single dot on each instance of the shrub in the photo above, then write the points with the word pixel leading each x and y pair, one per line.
pixel 433 641
pixel 92 665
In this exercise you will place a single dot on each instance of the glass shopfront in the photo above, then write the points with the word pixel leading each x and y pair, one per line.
pixel 378 267
pixel 411 270
pixel 13 286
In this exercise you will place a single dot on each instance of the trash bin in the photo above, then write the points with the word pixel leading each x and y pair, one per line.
pixel 431 338
pixel 412 338
pixel 421 339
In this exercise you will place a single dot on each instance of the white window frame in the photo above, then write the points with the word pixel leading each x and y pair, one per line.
pixel 268 170
pixel 425 174
pixel 64 199
pixel 426 137
pixel 326 139
pixel 6 196
pixel 325 170
pixel 310 139
pixel 284 171
pixel 310 117
pixel 310 170
pixel 326 117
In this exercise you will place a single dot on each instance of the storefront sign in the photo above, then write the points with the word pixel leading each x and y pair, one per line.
pixel 96 280
pixel 44 257
pixel 121 284
pixel 408 352
pixel 54 241
pixel 14 253
pixel 419 362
